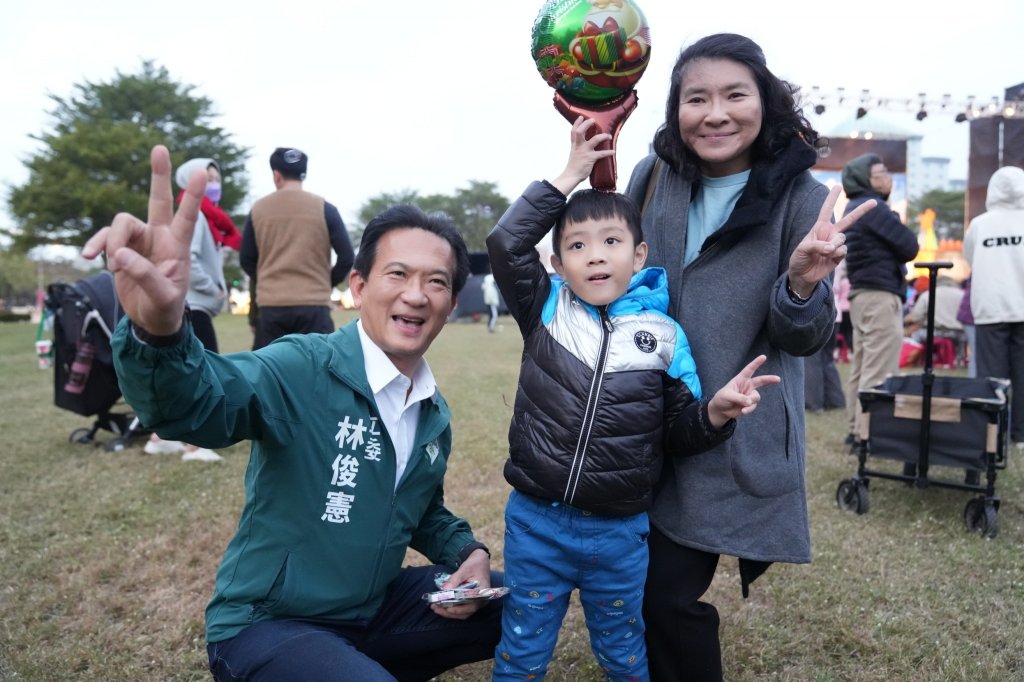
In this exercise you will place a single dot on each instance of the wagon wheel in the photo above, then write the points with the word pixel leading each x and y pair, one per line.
pixel 81 435
pixel 980 516
pixel 115 445
pixel 852 496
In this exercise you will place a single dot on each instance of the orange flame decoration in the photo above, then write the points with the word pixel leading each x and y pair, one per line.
pixel 933 249
pixel 927 239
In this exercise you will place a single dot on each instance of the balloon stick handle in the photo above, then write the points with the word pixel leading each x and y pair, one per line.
pixel 608 118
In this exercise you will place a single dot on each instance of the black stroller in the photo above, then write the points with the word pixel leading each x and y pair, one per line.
pixel 84 315
pixel 927 420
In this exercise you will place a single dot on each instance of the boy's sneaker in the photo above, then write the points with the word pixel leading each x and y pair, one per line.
pixel 201 455
pixel 163 447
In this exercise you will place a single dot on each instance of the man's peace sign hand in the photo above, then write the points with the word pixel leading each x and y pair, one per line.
pixel 151 260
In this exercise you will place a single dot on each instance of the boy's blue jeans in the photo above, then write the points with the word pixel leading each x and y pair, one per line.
pixel 405 641
pixel 551 549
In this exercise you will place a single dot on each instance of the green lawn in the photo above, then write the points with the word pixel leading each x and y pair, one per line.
pixel 108 558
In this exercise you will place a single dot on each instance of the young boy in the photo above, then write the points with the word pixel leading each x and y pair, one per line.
pixel 606 379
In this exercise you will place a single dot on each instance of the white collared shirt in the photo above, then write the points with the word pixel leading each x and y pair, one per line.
pixel 399 407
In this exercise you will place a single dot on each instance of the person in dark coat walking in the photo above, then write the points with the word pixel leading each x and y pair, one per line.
pixel 878 247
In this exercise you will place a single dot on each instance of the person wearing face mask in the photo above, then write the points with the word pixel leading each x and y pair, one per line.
pixel 878 246
pixel 207 288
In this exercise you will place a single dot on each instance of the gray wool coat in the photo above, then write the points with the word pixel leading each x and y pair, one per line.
pixel 746 497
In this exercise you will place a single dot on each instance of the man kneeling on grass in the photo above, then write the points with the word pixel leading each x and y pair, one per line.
pixel 350 443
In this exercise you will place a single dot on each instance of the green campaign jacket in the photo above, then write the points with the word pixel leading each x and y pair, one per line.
pixel 323 530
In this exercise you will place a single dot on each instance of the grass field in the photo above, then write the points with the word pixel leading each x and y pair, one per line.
pixel 107 558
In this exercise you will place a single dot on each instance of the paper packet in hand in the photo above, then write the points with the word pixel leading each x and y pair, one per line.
pixel 467 591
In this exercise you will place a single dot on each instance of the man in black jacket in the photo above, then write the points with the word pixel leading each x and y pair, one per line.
pixel 878 248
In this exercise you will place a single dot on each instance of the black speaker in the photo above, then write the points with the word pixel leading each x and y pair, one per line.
pixel 982 163
pixel 1013 142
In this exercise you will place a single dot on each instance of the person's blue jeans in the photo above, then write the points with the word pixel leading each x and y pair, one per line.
pixel 405 641
pixel 551 549
pixel 972 360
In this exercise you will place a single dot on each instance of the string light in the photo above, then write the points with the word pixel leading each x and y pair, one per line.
pixel 862 110
pixel 961 110
pixel 922 114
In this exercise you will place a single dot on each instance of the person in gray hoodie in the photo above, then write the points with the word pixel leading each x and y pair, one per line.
pixel 878 248
pixel 207 288
pixel 994 246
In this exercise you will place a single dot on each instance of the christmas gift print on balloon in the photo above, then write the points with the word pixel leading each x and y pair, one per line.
pixel 593 52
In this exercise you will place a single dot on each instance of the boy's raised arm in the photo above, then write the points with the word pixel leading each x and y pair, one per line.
pixel 583 154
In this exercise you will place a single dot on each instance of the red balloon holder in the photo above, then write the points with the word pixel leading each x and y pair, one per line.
pixel 608 118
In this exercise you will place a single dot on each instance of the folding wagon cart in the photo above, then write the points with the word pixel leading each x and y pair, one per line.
pixel 928 421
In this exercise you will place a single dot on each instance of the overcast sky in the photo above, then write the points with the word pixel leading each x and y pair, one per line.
pixel 398 94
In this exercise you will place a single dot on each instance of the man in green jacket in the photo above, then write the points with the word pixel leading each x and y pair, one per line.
pixel 350 443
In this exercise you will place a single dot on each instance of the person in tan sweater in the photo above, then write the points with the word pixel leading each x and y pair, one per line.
pixel 287 246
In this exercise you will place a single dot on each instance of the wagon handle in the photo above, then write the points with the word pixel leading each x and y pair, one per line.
pixel 928 379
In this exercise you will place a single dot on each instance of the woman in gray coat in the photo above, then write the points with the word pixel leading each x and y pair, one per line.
pixel 745 234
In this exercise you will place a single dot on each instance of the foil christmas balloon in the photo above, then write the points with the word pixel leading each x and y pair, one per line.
pixel 592 52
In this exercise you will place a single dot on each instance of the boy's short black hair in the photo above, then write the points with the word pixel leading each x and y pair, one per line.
pixel 591 204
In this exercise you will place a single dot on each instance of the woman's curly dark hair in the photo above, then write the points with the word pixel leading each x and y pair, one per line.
pixel 781 117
